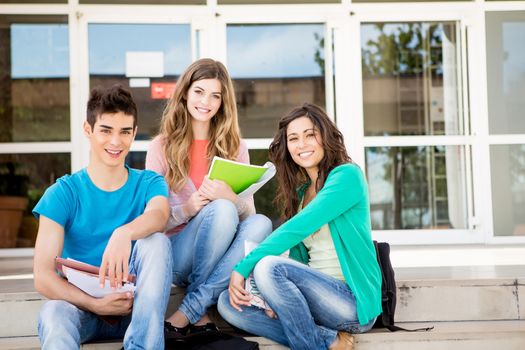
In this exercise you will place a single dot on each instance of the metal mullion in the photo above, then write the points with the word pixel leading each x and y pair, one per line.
pixel 517 139
pixel 142 13
pixel 411 12
pixel 428 236
pixel 404 141
pixel 258 143
pixel 140 146
pixel 35 147
pixel 464 113
pixel 34 9
pixel 506 240
pixel 306 13
pixel 504 6
pixel 329 72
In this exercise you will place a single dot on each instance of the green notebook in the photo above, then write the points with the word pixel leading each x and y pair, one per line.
pixel 239 176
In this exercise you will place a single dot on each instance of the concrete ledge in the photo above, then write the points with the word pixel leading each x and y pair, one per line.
pixel 459 300
pixel 481 335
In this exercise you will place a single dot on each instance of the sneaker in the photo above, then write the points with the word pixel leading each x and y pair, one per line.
pixel 172 332
pixel 208 327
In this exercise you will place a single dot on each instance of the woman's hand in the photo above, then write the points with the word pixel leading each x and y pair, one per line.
pixel 238 295
pixel 194 204
pixel 217 189
pixel 270 313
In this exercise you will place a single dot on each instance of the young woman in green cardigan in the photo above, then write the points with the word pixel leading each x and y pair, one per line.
pixel 330 286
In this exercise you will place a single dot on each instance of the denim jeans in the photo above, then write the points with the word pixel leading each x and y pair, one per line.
pixel 62 325
pixel 206 250
pixel 311 306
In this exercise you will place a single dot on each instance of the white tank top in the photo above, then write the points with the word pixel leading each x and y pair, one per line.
pixel 321 252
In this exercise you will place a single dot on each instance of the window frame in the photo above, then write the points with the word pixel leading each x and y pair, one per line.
pixel 345 97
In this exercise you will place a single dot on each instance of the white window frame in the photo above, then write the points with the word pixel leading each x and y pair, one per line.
pixel 325 14
pixel 497 139
pixel 208 28
pixel 401 13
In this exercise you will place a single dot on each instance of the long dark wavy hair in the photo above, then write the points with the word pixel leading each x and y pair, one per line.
pixel 290 176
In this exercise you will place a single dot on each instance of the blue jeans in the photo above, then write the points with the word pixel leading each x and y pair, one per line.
pixel 206 250
pixel 62 325
pixel 311 306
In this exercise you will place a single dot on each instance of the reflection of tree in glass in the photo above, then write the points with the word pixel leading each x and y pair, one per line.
pixel 402 49
pixel 319 51
pixel 517 161
pixel 265 196
pixel 407 52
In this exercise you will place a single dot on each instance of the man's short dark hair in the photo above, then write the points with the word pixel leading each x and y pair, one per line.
pixel 110 100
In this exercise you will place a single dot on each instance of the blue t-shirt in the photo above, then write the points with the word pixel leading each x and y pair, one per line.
pixel 89 215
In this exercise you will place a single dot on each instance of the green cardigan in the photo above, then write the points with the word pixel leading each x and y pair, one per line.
pixel 343 204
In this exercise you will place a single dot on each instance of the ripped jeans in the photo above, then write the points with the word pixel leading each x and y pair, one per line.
pixel 311 306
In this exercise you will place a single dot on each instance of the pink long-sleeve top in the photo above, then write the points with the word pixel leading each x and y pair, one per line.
pixel 156 161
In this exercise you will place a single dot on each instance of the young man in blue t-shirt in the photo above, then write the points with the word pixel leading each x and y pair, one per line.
pixel 112 216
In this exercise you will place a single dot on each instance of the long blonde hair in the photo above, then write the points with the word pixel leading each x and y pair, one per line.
pixel 176 129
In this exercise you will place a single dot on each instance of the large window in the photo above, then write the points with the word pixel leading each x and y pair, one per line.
pixel 34 79
pixel 430 95
pixel 275 67
pixel 506 91
pixel 34 116
pixel 147 58
pixel 410 88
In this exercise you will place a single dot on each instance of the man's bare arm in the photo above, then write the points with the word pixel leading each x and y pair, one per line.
pixel 49 244
pixel 117 252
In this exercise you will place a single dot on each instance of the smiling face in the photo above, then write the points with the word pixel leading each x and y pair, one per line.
pixel 110 138
pixel 204 99
pixel 304 144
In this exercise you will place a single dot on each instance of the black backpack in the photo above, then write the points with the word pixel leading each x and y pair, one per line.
pixel 210 340
pixel 388 291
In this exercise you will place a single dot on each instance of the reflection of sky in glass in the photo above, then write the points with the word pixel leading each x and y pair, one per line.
pixel 381 190
pixel 108 44
pixel 514 60
pixel 39 51
pixel 270 51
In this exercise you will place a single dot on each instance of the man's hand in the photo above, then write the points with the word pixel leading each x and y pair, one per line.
pixel 217 189
pixel 195 204
pixel 238 295
pixel 116 304
pixel 115 258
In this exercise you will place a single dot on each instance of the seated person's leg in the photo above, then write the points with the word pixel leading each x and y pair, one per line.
pixel 310 305
pixel 254 228
pixel 62 325
pixel 151 261
pixel 252 319
pixel 213 230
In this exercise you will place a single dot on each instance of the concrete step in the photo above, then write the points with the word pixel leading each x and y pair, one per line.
pixel 477 293
pixel 20 305
pixel 480 335
pixel 434 295
pixel 430 294
pixel 32 343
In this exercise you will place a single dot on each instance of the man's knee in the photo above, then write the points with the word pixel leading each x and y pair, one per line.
pixel 55 310
pixel 58 321
pixel 156 245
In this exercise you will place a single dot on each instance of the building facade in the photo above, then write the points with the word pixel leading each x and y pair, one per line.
pixel 430 96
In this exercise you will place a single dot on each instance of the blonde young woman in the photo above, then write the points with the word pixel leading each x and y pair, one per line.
pixel 208 222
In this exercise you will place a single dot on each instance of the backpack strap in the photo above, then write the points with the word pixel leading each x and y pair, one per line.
pixel 394 328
